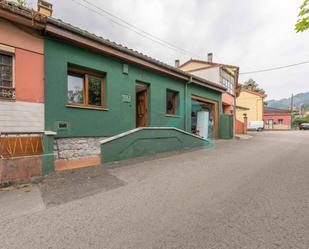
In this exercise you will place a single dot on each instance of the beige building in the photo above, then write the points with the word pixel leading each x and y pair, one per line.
pixel 221 74
pixel 253 101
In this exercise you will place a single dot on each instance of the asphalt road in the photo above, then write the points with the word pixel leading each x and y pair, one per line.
pixel 242 194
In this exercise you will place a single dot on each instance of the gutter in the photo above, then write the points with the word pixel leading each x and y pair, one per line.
pixel 186 102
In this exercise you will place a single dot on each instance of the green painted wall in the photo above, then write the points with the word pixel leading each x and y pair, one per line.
pixel 48 162
pixel 147 142
pixel 120 116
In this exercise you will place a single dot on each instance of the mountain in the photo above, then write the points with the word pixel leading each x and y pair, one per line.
pixel 299 99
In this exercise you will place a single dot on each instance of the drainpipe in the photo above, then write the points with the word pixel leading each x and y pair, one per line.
pixel 186 101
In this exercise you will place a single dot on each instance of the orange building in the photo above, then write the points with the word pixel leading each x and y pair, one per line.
pixel 22 128
pixel 22 78
pixel 277 119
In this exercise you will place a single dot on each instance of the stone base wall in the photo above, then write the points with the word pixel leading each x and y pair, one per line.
pixel 20 168
pixel 77 147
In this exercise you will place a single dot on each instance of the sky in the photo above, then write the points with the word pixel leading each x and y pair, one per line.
pixel 251 34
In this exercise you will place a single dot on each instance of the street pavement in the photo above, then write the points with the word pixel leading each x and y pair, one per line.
pixel 241 194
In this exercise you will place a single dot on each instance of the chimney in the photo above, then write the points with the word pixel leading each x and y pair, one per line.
pixel 177 63
pixel 45 8
pixel 209 57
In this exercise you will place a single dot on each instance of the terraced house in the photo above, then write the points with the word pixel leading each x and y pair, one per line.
pixel 22 123
pixel 222 74
pixel 104 102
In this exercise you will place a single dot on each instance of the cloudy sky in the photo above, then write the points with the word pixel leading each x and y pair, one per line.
pixel 251 34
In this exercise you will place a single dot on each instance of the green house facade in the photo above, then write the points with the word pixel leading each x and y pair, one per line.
pixel 95 89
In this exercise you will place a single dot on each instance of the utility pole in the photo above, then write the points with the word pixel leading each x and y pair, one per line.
pixel 300 109
pixel 292 108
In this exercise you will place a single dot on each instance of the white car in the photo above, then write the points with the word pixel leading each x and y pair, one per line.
pixel 255 125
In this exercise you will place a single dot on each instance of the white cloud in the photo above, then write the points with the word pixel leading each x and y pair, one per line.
pixel 250 34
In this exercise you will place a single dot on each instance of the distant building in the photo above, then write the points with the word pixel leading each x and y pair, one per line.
pixel 252 103
pixel 277 119
pixel 223 74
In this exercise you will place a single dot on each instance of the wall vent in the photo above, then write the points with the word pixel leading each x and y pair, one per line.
pixel 62 125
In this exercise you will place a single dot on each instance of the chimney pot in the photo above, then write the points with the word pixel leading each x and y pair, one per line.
pixel 177 63
pixel 209 57
pixel 45 8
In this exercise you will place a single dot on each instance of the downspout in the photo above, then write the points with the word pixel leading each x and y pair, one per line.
pixel 235 96
pixel 186 102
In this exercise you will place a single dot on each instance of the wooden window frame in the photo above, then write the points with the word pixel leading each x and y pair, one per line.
pixel 175 102
pixel 85 74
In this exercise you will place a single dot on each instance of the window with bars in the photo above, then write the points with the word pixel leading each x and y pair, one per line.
pixel 6 70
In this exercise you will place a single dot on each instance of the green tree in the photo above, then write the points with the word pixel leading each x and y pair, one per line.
pixel 303 17
pixel 298 120
pixel 253 83
pixel 255 86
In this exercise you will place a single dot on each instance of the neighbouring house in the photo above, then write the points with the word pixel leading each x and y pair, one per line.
pixel 22 126
pixel 277 119
pixel 72 98
pixel 222 74
pixel 250 104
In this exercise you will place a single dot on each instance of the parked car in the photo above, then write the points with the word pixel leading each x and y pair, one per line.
pixel 304 126
pixel 255 125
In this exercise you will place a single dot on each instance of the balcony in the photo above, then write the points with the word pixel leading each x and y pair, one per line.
pixel 7 93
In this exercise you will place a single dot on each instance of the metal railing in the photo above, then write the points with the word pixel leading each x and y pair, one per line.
pixel 7 93
pixel 17 144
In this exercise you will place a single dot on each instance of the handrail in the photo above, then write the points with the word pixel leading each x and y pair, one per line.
pixel 148 128
pixel 21 133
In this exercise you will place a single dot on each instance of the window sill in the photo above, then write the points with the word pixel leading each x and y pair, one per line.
pixel 87 107
pixel 7 99
pixel 172 116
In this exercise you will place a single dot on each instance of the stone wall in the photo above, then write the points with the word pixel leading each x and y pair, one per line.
pixel 77 147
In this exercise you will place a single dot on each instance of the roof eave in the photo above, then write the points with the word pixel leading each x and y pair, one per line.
pixel 23 16
pixel 83 38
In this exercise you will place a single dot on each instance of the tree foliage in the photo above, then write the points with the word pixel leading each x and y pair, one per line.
pixel 303 17
pixel 298 120
pixel 22 2
pixel 253 84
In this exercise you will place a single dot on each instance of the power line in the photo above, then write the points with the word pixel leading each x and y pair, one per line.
pixel 276 68
pixel 124 24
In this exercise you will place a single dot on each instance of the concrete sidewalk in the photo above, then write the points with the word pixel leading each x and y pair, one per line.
pixel 16 202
